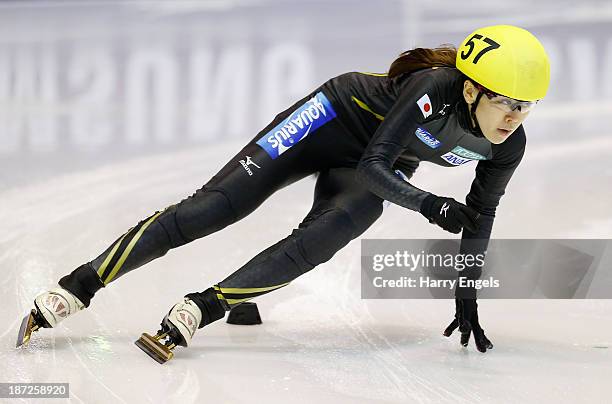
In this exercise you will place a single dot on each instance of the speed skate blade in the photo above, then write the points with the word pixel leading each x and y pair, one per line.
pixel 152 347
pixel 25 330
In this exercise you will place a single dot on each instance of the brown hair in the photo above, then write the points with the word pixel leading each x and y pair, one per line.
pixel 422 58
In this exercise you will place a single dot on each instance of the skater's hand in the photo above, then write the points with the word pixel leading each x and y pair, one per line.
pixel 466 319
pixel 449 214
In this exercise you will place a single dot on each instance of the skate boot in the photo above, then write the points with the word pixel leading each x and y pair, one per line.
pixel 177 328
pixel 49 309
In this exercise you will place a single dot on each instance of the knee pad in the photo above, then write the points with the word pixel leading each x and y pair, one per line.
pixel 364 218
pixel 323 237
pixel 167 221
pixel 316 241
pixel 203 213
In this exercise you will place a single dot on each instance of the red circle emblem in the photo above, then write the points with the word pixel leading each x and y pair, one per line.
pixel 427 107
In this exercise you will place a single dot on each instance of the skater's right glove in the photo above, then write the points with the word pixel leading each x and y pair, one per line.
pixel 466 319
pixel 449 214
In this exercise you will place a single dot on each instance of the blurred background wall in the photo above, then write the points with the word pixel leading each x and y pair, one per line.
pixel 89 83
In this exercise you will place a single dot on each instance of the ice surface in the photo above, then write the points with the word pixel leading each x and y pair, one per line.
pixel 320 342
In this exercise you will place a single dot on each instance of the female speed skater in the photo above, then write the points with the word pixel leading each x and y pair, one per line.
pixel 364 135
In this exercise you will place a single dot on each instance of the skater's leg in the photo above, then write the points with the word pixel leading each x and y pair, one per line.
pixel 280 154
pixel 343 209
pixel 218 204
pixel 245 182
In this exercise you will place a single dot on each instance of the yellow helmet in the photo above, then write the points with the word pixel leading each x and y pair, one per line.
pixel 507 60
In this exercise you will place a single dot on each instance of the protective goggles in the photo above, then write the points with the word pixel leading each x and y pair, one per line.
pixel 504 103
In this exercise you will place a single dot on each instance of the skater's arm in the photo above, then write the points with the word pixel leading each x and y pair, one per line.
pixel 492 177
pixel 392 138
pixel 489 185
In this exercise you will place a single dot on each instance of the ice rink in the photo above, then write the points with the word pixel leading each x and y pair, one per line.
pixel 112 110
pixel 319 341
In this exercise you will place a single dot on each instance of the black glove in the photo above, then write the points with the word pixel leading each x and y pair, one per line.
pixel 449 214
pixel 466 318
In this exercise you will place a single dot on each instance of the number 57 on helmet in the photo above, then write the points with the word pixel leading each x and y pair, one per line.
pixel 506 60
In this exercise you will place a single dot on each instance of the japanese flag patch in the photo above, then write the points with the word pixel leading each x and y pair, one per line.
pixel 425 105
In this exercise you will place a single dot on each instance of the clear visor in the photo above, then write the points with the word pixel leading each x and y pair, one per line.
pixel 508 104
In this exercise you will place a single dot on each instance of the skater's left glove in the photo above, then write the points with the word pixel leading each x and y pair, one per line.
pixel 449 214
pixel 466 319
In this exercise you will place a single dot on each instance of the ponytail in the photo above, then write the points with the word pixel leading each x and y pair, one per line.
pixel 422 58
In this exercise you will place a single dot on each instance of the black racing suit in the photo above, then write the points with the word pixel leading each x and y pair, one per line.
pixel 364 135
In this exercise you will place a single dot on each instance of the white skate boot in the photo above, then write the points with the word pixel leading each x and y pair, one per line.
pixel 51 307
pixel 56 305
pixel 177 328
